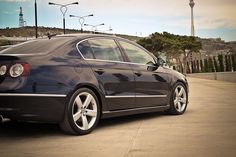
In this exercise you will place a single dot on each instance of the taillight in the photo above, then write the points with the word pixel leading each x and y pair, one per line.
pixel 15 70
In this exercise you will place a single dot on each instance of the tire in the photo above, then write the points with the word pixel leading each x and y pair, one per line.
pixel 178 100
pixel 82 113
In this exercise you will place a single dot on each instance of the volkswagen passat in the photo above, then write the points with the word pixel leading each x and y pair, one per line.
pixel 74 80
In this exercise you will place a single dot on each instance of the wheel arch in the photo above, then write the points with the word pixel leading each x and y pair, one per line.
pixel 177 82
pixel 183 82
pixel 174 82
pixel 179 79
pixel 99 95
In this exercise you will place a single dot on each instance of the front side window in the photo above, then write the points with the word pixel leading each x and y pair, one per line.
pixel 136 54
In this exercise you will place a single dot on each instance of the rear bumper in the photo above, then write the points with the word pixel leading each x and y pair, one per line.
pixel 33 107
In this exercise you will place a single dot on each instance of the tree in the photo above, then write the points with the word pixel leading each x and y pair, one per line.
pixel 210 65
pixel 215 64
pixel 221 63
pixel 206 68
pixel 198 70
pixel 201 65
pixel 188 68
pixel 173 45
pixel 234 61
pixel 227 63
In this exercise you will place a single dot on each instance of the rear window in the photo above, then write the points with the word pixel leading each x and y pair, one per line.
pixel 37 46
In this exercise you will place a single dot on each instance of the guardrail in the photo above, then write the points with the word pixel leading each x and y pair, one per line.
pixel 222 76
pixel 17 38
pixel 4 47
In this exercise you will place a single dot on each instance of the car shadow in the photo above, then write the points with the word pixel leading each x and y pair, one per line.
pixel 116 121
pixel 13 130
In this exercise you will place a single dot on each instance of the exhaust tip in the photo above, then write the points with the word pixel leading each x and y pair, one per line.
pixel 1 119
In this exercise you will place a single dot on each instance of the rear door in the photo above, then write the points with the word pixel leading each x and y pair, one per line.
pixel 114 76
pixel 151 82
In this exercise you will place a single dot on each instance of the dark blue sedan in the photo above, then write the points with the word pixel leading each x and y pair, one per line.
pixel 74 80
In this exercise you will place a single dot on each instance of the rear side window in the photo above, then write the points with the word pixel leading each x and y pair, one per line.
pixel 86 50
pixel 103 49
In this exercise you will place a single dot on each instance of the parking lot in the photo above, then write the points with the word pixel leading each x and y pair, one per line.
pixel 208 128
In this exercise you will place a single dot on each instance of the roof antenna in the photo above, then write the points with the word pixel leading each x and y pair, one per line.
pixel 51 35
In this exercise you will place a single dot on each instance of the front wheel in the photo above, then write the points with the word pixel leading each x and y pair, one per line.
pixel 178 100
pixel 82 113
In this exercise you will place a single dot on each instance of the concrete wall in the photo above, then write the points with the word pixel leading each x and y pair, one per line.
pixel 222 76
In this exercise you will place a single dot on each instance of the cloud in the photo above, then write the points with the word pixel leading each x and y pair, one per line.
pixel 6 12
pixel 9 12
pixel 216 15
pixel 208 14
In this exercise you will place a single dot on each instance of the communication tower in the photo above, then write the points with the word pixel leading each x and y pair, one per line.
pixel 21 20
pixel 191 4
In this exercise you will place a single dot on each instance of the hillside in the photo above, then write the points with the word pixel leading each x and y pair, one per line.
pixel 209 46
pixel 29 32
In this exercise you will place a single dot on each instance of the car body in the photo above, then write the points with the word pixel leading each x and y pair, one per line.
pixel 55 80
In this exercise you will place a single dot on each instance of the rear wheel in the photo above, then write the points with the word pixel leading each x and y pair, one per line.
pixel 179 99
pixel 82 113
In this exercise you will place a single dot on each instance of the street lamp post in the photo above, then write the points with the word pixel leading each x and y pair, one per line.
pixel 36 19
pixel 109 30
pixel 94 27
pixel 63 9
pixel 81 20
pixel 104 31
pixel 25 24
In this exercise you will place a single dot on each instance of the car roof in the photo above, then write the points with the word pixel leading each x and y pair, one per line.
pixel 86 35
pixel 46 45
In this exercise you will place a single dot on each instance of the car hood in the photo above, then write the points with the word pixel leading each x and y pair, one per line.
pixel 175 73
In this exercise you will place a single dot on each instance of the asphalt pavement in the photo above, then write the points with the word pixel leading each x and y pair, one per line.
pixel 207 129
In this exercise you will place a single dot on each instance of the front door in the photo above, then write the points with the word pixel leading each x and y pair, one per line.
pixel 151 83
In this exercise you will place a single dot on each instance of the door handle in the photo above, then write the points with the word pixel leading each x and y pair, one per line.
pixel 138 74
pixel 99 71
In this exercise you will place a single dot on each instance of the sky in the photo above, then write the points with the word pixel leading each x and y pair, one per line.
pixel 212 18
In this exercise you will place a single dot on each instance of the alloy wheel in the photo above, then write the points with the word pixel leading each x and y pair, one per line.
pixel 84 111
pixel 180 98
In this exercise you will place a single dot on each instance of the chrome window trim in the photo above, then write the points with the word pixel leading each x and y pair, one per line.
pixel 92 38
pixel 100 60
pixel 24 54
pixel 135 96
pixel 33 95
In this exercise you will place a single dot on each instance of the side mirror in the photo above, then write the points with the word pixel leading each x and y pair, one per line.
pixel 160 61
pixel 152 66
